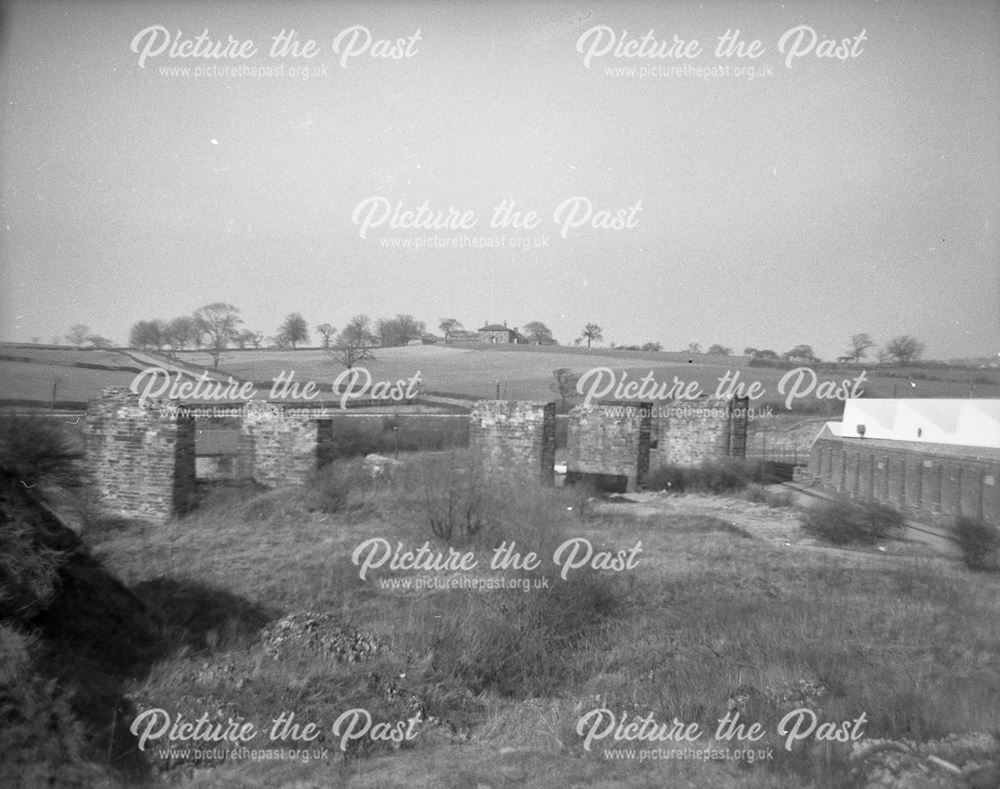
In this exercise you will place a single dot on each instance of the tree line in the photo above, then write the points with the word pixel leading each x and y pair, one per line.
pixel 219 326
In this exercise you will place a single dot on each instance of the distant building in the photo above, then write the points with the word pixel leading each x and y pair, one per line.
pixel 496 334
pixel 461 337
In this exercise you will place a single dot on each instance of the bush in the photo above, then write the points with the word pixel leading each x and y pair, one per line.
pixel 844 522
pixel 980 544
pixel 33 449
pixel 29 571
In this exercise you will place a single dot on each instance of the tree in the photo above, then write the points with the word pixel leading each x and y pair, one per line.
pixel 800 353
pixel 859 344
pixel 693 347
pixel 326 331
pixel 767 353
pixel 564 384
pixel 720 350
pixel 100 342
pixel 219 322
pixel 748 351
pixel 181 332
pixel 398 331
pixel 538 333
pixel 355 342
pixel 294 330
pixel 652 346
pixel 78 334
pixel 592 333
pixel 904 349
pixel 245 338
pixel 448 325
pixel 147 334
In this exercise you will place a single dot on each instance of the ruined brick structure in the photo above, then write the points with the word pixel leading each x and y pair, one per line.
pixel 279 447
pixel 515 438
pixel 689 433
pixel 608 444
pixel 615 444
pixel 141 459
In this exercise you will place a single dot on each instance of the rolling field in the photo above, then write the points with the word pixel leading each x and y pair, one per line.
pixel 514 372
pixel 525 372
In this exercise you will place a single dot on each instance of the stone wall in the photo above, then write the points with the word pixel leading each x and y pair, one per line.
pixel 691 433
pixel 142 460
pixel 938 483
pixel 609 444
pixel 279 447
pixel 515 439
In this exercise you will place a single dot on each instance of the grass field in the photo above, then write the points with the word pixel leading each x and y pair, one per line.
pixel 519 372
pixel 738 613
pixel 525 372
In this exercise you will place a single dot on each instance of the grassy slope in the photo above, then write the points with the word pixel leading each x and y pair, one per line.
pixel 708 613
pixel 524 372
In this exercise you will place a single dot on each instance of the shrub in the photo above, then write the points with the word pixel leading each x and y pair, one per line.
pixel 844 522
pixel 462 509
pixel 33 449
pixel 980 544
pixel 29 571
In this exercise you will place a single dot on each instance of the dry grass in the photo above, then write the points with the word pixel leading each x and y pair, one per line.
pixel 709 620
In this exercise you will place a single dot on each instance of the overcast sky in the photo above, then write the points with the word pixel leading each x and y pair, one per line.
pixel 823 197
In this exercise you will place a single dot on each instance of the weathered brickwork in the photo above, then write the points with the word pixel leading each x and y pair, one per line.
pixel 142 461
pixel 515 439
pixel 691 433
pixel 277 447
pixel 609 444
pixel 938 485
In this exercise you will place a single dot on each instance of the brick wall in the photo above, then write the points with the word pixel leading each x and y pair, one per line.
pixel 690 433
pixel 277 447
pixel 516 439
pixel 610 444
pixel 917 480
pixel 142 462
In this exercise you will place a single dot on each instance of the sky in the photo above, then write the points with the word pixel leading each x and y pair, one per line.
pixel 845 179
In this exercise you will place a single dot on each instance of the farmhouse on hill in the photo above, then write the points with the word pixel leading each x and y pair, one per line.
pixel 496 334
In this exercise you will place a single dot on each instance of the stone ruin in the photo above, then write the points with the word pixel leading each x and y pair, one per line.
pixel 142 456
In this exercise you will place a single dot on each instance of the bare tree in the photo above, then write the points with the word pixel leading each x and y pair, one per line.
pixel 859 344
pixel 448 325
pixel 326 331
pixel 904 349
pixel 219 322
pixel 355 342
pixel 181 332
pixel 592 333
pixel 393 332
pixel 564 384
pixel 147 334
